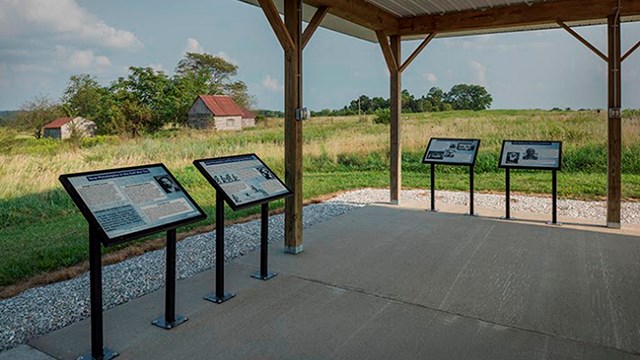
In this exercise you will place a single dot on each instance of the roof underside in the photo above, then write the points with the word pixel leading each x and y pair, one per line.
pixel 413 19
pixel 407 8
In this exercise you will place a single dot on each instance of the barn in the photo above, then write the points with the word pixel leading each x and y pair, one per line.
pixel 63 128
pixel 219 112
pixel 248 118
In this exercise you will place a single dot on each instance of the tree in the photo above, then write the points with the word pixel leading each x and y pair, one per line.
pixel 360 105
pixel 435 98
pixel 407 101
pixel 239 92
pixel 379 103
pixel 143 99
pixel 216 73
pixel 468 97
pixel 36 113
pixel 218 70
pixel 85 97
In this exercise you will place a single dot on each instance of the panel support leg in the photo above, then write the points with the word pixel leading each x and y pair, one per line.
pixel 433 187
pixel 264 273
pixel 471 192
pixel 554 198
pixel 507 214
pixel 170 319
pixel 98 351
pixel 219 296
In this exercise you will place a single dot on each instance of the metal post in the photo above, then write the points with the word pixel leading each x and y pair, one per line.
pixel 220 296
pixel 554 197
pixel 471 192
pixel 264 273
pixel 507 215
pixel 170 320
pixel 98 352
pixel 170 293
pixel 433 187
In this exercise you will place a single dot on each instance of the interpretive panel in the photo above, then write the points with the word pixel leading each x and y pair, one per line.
pixel 243 179
pixel 129 203
pixel 451 151
pixel 545 155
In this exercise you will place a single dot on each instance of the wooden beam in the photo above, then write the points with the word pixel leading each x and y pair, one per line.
pixel 546 12
pixel 316 20
pixel 614 125
pixel 359 12
pixel 389 57
pixel 417 51
pixel 630 51
pixel 395 155
pixel 293 129
pixel 584 41
pixel 273 17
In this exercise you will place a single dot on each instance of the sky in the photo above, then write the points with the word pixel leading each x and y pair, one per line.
pixel 44 42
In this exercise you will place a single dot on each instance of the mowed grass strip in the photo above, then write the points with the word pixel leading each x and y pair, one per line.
pixel 41 230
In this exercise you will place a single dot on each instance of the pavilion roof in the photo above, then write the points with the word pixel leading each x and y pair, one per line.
pixel 413 19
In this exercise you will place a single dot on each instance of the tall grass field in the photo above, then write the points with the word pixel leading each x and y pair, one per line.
pixel 41 230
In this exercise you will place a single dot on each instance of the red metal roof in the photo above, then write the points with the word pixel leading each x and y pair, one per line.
pixel 57 123
pixel 221 105
pixel 247 114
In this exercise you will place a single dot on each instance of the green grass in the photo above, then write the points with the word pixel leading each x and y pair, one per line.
pixel 41 230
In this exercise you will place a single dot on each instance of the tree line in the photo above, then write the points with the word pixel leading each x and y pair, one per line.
pixel 146 99
pixel 142 102
pixel 460 97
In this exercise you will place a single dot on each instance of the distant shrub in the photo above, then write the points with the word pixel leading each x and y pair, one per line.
pixel 382 116
pixel 7 139
pixel 631 113
pixel 44 146
pixel 99 140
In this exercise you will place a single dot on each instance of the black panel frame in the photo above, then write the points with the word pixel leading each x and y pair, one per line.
pixel 91 219
pixel 198 164
pixel 558 168
pixel 475 155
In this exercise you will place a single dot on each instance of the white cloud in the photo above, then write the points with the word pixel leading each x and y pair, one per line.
pixel 86 59
pixel 272 84
pixel 477 42
pixel 431 77
pixel 157 67
pixel 193 46
pixel 31 68
pixel 4 76
pixel 226 56
pixel 480 72
pixel 62 19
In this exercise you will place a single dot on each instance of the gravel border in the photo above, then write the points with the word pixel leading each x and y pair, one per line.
pixel 40 310
pixel 534 204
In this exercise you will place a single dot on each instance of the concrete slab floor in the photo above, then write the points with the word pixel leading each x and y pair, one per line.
pixel 24 352
pixel 400 283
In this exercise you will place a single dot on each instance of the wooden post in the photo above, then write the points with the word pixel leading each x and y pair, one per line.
pixel 396 112
pixel 293 128
pixel 393 57
pixel 614 187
